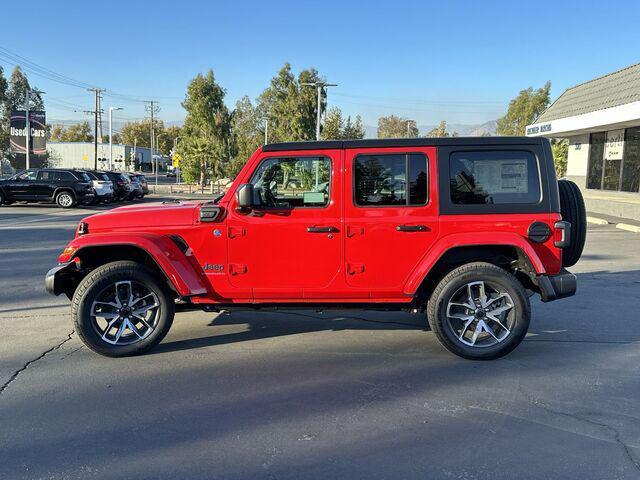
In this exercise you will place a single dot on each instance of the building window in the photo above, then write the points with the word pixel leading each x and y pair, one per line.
pixel 617 171
pixel 631 161
pixel 596 158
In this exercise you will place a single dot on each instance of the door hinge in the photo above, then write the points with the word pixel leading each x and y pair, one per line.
pixel 353 230
pixel 237 268
pixel 353 268
pixel 236 232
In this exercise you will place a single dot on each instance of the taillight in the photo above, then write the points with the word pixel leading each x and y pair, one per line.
pixel 562 234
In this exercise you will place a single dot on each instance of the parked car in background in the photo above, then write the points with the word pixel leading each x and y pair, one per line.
pixel 121 185
pixel 142 180
pixel 65 187
pixel 136 187
pixel 102 185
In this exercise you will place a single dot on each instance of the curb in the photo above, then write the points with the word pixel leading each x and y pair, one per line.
pixel 628 227
pixel 597 221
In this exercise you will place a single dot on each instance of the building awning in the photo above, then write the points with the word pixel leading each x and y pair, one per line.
pixel 608 102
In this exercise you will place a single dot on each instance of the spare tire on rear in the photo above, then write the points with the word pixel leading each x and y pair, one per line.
pixel 573 211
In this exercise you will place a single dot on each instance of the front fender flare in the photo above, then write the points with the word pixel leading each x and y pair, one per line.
pixel 187 279
pixel 471 240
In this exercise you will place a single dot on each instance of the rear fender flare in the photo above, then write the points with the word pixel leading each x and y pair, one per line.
pixel 181 271
pixel 471 240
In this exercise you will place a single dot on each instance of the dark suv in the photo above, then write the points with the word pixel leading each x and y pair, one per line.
pixel 65 187
pixel 121 185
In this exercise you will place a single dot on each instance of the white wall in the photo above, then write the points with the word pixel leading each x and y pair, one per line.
pixel 578 157
pixel 81 155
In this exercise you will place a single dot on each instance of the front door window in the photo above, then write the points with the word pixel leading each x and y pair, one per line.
pixel 293 182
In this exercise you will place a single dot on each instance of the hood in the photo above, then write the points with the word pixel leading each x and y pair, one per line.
pixel 142 217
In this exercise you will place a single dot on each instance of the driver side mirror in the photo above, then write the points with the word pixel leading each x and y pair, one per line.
pixel 244 197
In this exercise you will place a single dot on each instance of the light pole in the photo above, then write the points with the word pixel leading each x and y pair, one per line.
pixel 319 86
pixel 27 125
pixel 111 109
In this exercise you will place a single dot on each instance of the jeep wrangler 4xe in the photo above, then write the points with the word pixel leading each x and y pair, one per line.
pixel 462 229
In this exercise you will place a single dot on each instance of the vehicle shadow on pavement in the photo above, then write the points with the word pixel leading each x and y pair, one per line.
pixel 574 319
pixel 269 324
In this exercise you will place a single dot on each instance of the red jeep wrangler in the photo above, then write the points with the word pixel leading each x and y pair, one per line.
pixel 464 229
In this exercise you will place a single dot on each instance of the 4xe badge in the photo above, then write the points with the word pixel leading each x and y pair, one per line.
pixel 213 267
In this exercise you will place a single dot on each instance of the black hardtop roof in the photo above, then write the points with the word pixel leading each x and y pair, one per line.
pixel 401 142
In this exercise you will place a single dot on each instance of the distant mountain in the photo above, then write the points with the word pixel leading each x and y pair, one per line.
pixel 463 130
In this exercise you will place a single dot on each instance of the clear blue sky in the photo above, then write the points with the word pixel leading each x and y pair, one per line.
pixel 452 60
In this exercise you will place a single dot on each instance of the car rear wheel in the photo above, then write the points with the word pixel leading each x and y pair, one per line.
pixel 573 211
pixel 479 311
pixel 122 309
pixel 65 199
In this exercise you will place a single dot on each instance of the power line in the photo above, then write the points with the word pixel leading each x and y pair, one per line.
pixel 39 70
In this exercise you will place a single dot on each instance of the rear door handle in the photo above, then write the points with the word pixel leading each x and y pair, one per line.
pixel 412 228
pixel 314 229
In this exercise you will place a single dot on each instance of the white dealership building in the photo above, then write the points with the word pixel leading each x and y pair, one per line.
pixel 601 120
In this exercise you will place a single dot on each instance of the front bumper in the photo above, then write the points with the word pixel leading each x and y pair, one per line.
pixel 58 278
pixel 554 287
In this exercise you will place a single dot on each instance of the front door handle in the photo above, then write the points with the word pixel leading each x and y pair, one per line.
pixel 412 228
pixel 314 229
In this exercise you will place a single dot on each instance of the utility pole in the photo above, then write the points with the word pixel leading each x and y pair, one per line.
pixel 111 109
pixel 319 86
pixel 266 131
pixel 97 92
pixel 27 126
pixel 153 108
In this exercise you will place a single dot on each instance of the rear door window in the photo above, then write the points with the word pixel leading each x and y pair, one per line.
pixel 390 180
pixel 66 176
pixel 494 177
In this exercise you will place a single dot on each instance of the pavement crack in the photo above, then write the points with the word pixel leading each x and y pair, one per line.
pixel 583 418
pixel 31 362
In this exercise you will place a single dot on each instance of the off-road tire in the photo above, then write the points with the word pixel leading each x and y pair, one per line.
pixel 573 211
pixel 62 199
pixel 473 272
pixel 97 281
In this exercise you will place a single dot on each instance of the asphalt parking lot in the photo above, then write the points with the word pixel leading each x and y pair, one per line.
pixel 301 395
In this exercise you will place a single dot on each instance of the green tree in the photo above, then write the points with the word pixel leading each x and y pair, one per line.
pixel 4 123
pixel 560 150
pixel 290 106
pixel 206 146
pixel 247 129
pixel 396 127
pixel 336 128
pixel 139 133
pixel 333 127
pixel 439 131
pixel 80 132
pixel 523 110
pixel 353 130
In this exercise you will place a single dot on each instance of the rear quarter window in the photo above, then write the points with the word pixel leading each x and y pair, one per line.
pixel 494 177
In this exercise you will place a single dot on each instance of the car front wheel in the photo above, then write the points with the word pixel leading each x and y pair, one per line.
pixel 122 309
pixel 479 311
